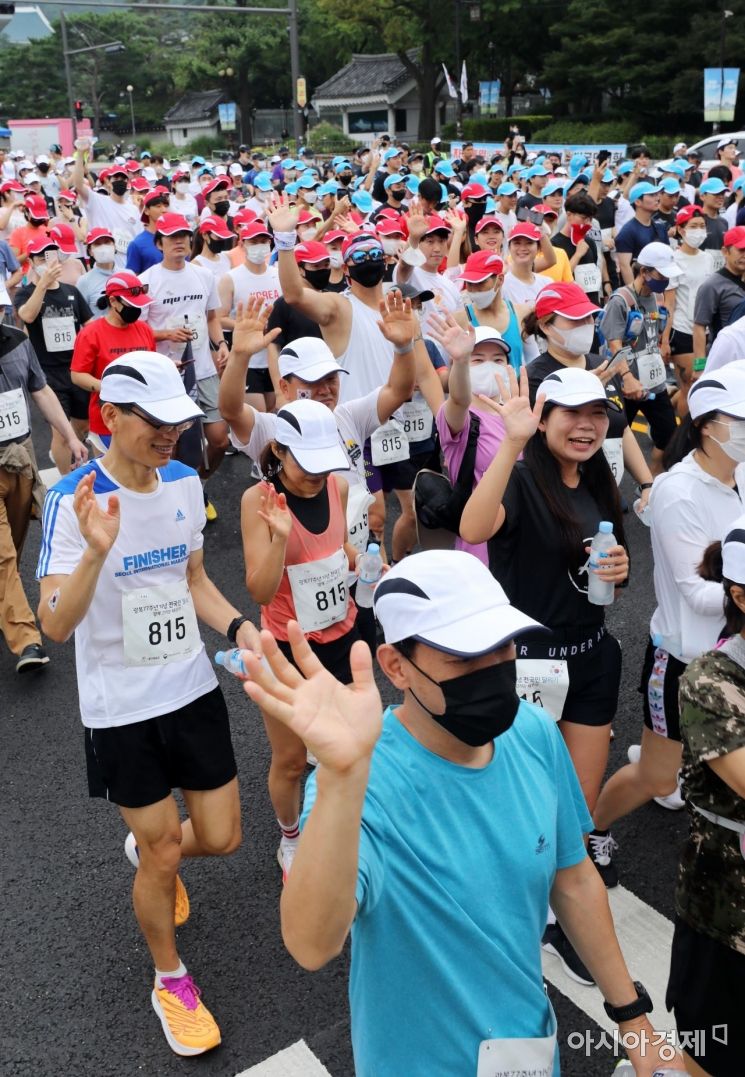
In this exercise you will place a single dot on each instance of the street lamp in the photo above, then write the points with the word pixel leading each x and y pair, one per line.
pixel 130 91
pixel 106 46
pixel 722 37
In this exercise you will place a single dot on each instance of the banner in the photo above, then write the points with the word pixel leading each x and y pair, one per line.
pixel 720 93
pixel 489 97
pixel 451 88
pixel 464 83
pixel 226 113
pixel 590 150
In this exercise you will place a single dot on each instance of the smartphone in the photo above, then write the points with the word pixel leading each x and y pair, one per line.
pixel 603 156
pixel 531 215
pixel 51 257
pixel 342 192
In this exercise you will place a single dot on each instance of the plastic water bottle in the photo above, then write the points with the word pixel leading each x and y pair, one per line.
pixel 600 592
pixel 645 514
pixel 626 1069
pixel 231 661
pixel 371 569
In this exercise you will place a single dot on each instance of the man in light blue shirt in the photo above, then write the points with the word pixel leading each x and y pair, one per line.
pixel 438 834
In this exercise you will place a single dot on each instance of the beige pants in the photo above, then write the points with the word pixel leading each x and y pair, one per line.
pixel 17 621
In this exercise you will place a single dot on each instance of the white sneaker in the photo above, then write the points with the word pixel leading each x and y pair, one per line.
pixel 673 801
pixel 634 753
pixel 286 855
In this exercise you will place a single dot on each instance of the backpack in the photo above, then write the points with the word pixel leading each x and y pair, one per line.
pixel 438 503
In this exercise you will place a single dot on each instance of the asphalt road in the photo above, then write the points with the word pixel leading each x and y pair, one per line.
pixel 77 975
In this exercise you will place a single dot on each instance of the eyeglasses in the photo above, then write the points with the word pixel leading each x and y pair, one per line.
pixel 138 289
pixel 180 428
pixel 359 258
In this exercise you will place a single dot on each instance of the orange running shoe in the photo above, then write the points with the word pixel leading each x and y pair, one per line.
pixel 187 1024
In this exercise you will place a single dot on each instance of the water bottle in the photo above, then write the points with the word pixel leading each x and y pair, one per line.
pixel 231 661
pixel 371 569
pixel 645 514
pixel 626 1069
pixel 600 592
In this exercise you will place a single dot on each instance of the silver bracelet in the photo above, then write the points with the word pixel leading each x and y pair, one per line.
pixel 285 241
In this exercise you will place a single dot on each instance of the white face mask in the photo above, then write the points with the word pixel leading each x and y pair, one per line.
pixel 482 300
pixel 417 166
pixel 311 197
pixel 258 253
pixel 735 446
pixel 336 259
pixel 695 237
pixel 103 253
pixel 392 246
pixel 490 379
pixel 307 233
pixel 182 187
pixel 576 341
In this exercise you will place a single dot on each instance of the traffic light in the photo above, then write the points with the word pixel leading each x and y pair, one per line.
pixel 78 110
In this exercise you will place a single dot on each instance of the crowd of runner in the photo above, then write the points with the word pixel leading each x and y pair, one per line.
pixel 480 338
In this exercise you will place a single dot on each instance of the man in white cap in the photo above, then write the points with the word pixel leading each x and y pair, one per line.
pixel 434 154
pixel 121 566
pixel 437 834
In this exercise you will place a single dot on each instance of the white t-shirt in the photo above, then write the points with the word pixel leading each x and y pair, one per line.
pixel 247 284
pixel 260 208
pixel 517 291
pixel 182 297
pixel 186 206
pixel 158 532
pixel 696 268
pixel 218 267
pixel 447 300
pixel 122 218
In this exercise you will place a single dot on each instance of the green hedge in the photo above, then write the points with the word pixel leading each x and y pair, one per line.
pixel 496 128
pixel 567 132
pixel 330 138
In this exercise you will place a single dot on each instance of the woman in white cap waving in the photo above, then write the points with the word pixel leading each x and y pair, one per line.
pixel 538 516
pixel 298 558
pixel 692 505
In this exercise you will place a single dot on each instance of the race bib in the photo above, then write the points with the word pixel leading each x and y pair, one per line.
pixel 160 625
pixel 121 241
pixel 59 333
pixel 587 276
pixel 13 415
pixel 718 259
pixel 358 528
pixel 197 323
pixel 416 419
pixel 319 591
pixel 544 682
pixel 613 449
pixel 650 369
pixel 517 1057
pixel 389 444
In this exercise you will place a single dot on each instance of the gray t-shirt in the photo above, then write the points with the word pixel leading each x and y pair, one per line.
pixel 19 369
pixel 716 299
pixel 616 312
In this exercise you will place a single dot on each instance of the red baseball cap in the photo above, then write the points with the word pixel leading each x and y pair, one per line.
pixel 65 238
pixel 526 230
pixel 139 183
pixel 311 251
pixel 113 170
pixel 123 284
pixel 220 183
pixel 481 265
pixel 245 216
pixel 172 223
pixel 13 185
pixel 684 215
pixel 545 210
pixel 735 237
pixel 133 166
pixel 495 222
pixel 304 217
pixel 36 205
pixel 157 194
pixel 389 226
pixel 215 225
pixel 254 229
pixel 565 298
pixel 98 233
pixel 473 191
pixel 39 244
pixel 436 223
pixel 389 213
pixel 333 235
pixel 68 195
pixel 179 174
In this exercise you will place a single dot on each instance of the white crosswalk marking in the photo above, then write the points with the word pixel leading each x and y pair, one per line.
pixel 646 940
pixel 295 1061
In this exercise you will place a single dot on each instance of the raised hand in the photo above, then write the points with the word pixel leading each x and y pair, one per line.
pixel 398 322
pixel 249 330
pixel 456 220
pixel 274 512
pixel 98 528
pixel 519 417
pixel 418 224
pixel 282 216
pixel 50 275
pixel 457 341
pixel 339 723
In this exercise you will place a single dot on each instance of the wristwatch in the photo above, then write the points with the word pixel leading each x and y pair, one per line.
pixel 233 627
pixel 642 1004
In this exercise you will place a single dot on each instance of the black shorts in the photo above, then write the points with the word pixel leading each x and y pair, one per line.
pixel 658 413
pixel 401 475
pixel 705 992
pixel 365 624
pixel 594 668
pixel 333 656
pixel 73 399
pixel 259 381
pixel 681 343
pixel 659 688
pixel 139 764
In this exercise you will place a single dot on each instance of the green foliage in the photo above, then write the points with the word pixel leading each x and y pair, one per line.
pixel 327 136
pixel 564 131
pixel 203 146
pixel 495 128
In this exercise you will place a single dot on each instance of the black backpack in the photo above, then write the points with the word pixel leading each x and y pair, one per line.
pixel 438 503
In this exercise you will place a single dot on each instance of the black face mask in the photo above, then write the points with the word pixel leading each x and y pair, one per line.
pixel 221 208
pixel 217 246
pixel 479 706
pixel 128 314
pixel 369 274
pixel 396 196
pixel 119 187
pixel 344 180
pixel 318 278
pixel 475 212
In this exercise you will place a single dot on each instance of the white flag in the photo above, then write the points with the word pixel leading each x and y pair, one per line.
pixel 451 87
pixel 464 84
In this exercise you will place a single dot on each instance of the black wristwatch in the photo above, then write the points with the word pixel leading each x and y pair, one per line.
pixel 233 627
pixel 642 1004
pixel 644 486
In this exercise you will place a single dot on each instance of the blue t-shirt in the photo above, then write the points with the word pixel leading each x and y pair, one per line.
pixel 142 252
pixel 634 236
pixel 455 869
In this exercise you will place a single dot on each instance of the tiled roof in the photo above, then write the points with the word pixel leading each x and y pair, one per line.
pixel 194 106
pixel 365 75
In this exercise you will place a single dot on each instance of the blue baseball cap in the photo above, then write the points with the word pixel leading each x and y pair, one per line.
pixel 670 185
pixel 607 177
pixel 263 182
pixel 445 169
pixel 516 167
pixel 392 152
pixel 198 161
pixel 577 163
pixel 363 200
pixel 412 183
pixel 396 177
pixel 739 183
pixel 712 186
pixel 671 168
pixel 358 181
pixel 300 166
pixel 292 188
pixel 537 170
pixel 327 188
pixel 505 189
pixel 335 160
pixel 640 189
pixel 287 164
pixel 146 153
pixel 581 177
pixel 554 185
pixel 491 207
pixel 310 180
pixel 685 166
pixel 343 166
pixel 625 167
pixel 497 167
pixel 481 179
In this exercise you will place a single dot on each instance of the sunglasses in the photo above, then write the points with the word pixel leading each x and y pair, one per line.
pixel 180 428
pixel 359 258
pixel 139 289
